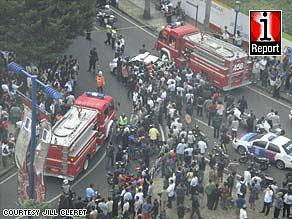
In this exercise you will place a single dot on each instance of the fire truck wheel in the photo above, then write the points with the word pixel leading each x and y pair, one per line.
pixel 86 163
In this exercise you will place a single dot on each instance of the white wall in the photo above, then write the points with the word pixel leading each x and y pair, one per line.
pixel 221 15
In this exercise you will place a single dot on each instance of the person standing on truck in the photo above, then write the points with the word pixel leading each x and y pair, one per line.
pixel 100 82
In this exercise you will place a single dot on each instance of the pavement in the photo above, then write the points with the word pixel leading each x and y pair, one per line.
pixel 219 213
pixel 135 36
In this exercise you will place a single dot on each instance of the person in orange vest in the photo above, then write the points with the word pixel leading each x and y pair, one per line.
pixel 100 82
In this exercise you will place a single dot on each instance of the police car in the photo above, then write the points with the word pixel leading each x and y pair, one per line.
pixel 277 148
pixel 146 58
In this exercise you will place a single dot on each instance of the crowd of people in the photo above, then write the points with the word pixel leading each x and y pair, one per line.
pixel 61 75
pixel 161 93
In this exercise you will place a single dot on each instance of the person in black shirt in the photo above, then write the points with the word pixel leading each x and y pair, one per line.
pixel 93 58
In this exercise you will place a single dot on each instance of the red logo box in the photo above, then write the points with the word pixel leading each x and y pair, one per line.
pixel 265 32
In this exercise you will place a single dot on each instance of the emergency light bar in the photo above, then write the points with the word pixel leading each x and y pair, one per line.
pixel 95 94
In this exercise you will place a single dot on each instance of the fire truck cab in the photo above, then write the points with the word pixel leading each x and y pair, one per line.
pixel 225 65
pixel 79 134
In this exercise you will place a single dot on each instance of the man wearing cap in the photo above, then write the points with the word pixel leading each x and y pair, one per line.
pixel 100 82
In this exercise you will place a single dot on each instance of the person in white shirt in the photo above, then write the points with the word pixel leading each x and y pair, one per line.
pixel 268 199
pixel 170 193
pixel 5 153
pixel 225 34
pixel 239 187
pixel 287 203
pixel 247 177
pixel 234 127
pixel 203 146
pixel 243 213
pixel 256 71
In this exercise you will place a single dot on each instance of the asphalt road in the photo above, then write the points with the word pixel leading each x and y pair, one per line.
pixel 134 37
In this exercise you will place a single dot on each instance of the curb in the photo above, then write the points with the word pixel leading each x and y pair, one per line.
pixel 4 172
pixel 287 99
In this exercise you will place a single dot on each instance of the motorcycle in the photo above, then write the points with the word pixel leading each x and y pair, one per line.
pixel 263 163
pixel 104 16
pixel 290 115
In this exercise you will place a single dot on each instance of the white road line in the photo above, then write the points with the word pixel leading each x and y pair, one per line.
pixel 96 28
pixel 79 180
pixel 132 22
pixel 8 178
pixel 267 96
pixel 162 133
pixel 154 36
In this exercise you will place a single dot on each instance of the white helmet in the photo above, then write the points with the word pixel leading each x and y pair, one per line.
pixel 65 181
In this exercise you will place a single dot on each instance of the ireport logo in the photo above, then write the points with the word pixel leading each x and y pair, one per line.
pixel 265 32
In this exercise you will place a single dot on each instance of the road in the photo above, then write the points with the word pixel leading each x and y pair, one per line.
pixel 135 37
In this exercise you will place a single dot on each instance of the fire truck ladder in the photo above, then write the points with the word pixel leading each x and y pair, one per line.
pixel 65 160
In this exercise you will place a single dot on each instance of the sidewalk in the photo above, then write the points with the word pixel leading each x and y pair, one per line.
pixel 135 10
pixel 205 212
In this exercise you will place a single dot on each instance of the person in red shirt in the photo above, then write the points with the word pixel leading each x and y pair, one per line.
pixel 4 129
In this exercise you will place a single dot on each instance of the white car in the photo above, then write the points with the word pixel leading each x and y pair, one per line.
pixel 277 148
pixel 146 58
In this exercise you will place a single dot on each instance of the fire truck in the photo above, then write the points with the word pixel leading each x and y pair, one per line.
pixel 225 65
pixel 79 134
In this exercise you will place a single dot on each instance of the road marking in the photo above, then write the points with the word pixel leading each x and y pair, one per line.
pixel 8 178
pixel 79 180
pixel 162 133
pixel 96 28
pixel 132 22
pixel 267 96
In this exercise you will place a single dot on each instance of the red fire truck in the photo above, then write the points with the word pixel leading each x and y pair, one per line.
pixel 225 65
pixel 78 135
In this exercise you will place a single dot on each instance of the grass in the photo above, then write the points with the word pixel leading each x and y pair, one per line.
pixel 284 5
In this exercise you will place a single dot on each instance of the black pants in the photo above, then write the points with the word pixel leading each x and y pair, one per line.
pixel 214 203
pixel 199 111
pixel 197 211
pixel 113 42
pixel 108 38
pixel 92 65
pixel 266 208
pixel 209 202
pixel 216 132
pixel 286 209
pixel 100 89
pixel 276 212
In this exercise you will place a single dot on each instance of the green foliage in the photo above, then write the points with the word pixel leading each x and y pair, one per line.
pixel 284 5
pixel 33 204
pixel 39 30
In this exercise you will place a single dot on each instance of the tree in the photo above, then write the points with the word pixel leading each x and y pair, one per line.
pixel 146 14
pixel 39 30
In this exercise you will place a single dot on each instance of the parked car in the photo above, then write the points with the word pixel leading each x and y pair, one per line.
pixel 277 148
pixel 146 58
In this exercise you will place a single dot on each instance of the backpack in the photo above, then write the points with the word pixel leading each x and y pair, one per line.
pixel 243 188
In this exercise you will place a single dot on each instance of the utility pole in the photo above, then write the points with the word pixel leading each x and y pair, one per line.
pixel 207 14
pixel 146 14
